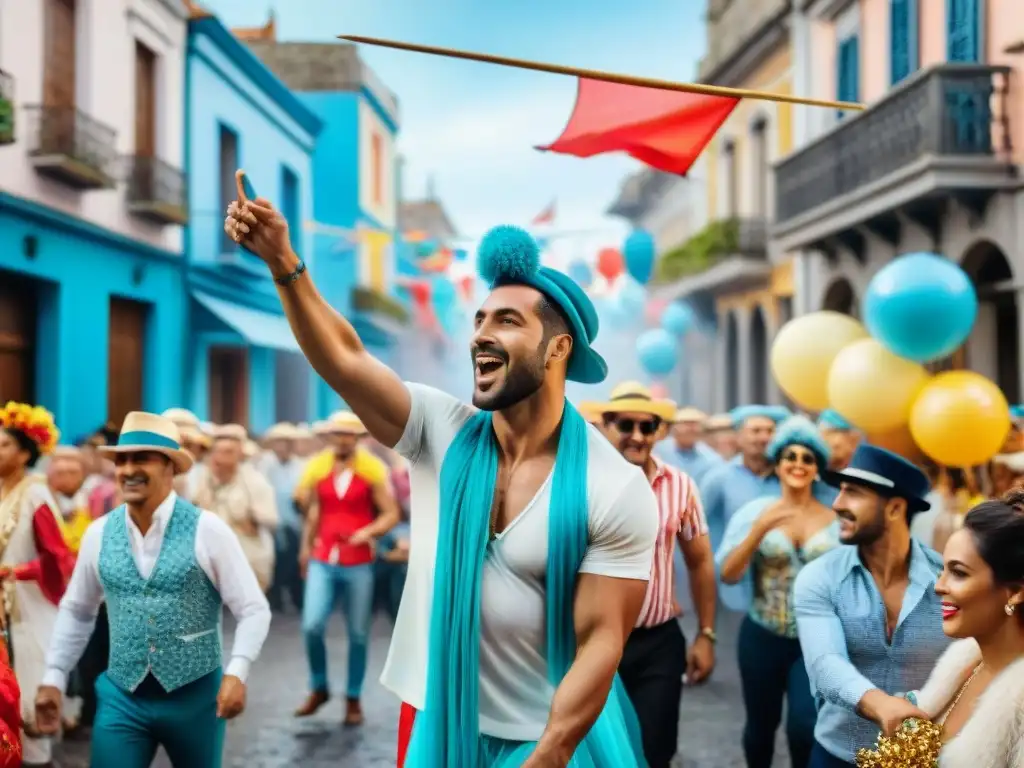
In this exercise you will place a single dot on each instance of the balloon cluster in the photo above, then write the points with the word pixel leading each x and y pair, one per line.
pixel 918 309
pixel 916 744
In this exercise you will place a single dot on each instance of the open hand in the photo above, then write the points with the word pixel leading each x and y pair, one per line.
pixel 230 698
pixel 257 225
pixel 776 515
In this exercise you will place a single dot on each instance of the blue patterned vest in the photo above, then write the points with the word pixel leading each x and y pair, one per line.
pixel 168 624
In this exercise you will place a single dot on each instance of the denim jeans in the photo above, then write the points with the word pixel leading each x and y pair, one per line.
pixel 325 586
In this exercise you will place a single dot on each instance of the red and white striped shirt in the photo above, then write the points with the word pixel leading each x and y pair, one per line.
pixel 680 513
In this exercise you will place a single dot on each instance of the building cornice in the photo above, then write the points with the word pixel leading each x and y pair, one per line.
pixel 825 9
pixel 753 51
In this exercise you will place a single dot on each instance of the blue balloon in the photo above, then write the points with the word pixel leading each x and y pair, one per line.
pixel 656 349
pixel 678 318
pixel 638 253
pixel 632 297
pixel 921 307
pixel 460 254
pixel 581 272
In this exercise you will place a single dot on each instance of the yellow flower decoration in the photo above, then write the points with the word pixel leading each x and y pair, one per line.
pixel 35 422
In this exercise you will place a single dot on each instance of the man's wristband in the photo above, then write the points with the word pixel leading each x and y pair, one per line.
pixel 292 276
pixel 709 633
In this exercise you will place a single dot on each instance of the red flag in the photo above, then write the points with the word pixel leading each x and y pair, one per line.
pixel 666 130
pixel 547 216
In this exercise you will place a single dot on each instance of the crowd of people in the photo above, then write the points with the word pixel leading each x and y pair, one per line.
pixel 529 560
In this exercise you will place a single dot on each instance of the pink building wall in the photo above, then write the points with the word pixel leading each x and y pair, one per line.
pixel 1002 25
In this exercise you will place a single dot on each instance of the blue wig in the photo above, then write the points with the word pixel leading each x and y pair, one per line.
pixel 799 430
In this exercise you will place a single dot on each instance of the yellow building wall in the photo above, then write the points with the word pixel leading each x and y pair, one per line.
pixel 773 75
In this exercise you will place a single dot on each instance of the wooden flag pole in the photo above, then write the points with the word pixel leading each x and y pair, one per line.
pixel 609 77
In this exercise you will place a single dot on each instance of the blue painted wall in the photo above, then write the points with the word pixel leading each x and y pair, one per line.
pixel 81 267
pixel 227 86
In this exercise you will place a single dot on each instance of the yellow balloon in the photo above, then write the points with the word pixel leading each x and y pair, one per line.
pixel 803 351
pixel 873 388
pixel 960 419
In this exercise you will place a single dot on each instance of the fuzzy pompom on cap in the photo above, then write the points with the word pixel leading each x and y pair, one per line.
pixel 507 253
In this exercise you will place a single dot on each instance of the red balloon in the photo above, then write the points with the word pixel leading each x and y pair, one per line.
pixel 609 263
pixel 420 292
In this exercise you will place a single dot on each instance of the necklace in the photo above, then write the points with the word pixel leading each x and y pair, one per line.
pixel 962 691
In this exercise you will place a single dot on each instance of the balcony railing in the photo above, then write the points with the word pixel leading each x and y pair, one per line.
pixel 156 190
pixel 69 145
pixel 6 108
pixel 720 239
pixel 951 110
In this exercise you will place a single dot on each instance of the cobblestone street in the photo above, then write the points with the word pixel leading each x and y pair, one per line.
pixel 267 736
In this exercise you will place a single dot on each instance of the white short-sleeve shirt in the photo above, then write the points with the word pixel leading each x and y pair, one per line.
pixel 515 695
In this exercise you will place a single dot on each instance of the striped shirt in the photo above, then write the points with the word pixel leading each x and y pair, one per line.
pixel 680 513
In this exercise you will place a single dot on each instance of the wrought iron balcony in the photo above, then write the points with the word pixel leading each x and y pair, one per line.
pixel 68 145
pixel 943 132
pixel 156 191
pixel 727 255
pixel 6 108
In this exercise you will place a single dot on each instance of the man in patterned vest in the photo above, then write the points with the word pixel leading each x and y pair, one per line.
pixel 165 568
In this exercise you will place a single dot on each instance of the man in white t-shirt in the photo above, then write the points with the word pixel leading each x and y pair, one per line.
pixel 532 333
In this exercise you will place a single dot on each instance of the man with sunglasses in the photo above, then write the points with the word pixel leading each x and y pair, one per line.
pixel 655 657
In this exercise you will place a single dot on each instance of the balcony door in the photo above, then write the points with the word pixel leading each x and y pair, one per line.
pixel 57 120
pixel 126 357
pixel 145 101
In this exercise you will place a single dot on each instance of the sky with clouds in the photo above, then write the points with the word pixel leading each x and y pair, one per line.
pixel 472 127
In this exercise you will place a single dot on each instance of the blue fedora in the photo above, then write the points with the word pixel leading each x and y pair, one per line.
pixel 886 473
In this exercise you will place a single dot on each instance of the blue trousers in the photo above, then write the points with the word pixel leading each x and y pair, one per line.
pixel 130 726
pixel 326 585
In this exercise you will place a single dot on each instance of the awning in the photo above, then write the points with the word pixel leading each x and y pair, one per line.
pixel 260 329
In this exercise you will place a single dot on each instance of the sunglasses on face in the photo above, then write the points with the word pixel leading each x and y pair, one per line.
pixel 626 426
pixel 799 457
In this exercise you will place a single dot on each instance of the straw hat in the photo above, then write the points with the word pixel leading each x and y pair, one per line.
pixel 250 449
pixel 282 431
pixel 194 435
pixel 718 423
pixel 687 415
pixel 148 432
pixel 66 452
pixel 634 397
pixel 591 411
pixel 182 417
pixel 343 423
pixel 230 432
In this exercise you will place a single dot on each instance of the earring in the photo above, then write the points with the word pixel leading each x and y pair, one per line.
pixel 1009 608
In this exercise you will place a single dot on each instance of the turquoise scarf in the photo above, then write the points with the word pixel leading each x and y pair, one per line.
pixel 447 733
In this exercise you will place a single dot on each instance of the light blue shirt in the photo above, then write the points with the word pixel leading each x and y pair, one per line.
pixel 284 477
pixel 841 620
pixel 695 462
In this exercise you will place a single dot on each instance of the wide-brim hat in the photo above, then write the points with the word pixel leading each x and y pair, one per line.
pixel 148 432
pixel 592 412
pixel 740 414
pixel 634 397
pixel 689 415
pixel 884 472
pixel 182 417
pixel 343 423
pixel 230 432
pixel 282 431
pixel 194 435
pixel 510 256
pixel 720 422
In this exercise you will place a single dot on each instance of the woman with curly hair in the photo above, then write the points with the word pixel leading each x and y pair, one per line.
pixel 765 545
pixel 35 562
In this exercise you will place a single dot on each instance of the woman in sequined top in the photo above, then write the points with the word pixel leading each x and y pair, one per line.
pixel 765 545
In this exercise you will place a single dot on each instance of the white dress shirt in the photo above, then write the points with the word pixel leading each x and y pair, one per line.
pixel 217 552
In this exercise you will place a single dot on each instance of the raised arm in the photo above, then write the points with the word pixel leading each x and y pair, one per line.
pixel 371 389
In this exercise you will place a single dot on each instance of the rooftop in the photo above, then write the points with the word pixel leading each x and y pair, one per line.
pixel 427 216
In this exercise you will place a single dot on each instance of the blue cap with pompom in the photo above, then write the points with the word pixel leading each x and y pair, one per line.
pixel 510 256
pixel 830 419
pixel 798 430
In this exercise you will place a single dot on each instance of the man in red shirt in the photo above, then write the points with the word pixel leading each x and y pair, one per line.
pixel 351 506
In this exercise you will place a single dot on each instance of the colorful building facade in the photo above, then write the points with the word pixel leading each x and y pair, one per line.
pixel 244 365
pixel 92 206
pixel 352 226
pixel 932 164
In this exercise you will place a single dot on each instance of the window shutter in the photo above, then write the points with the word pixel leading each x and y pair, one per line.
pixel 962 38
